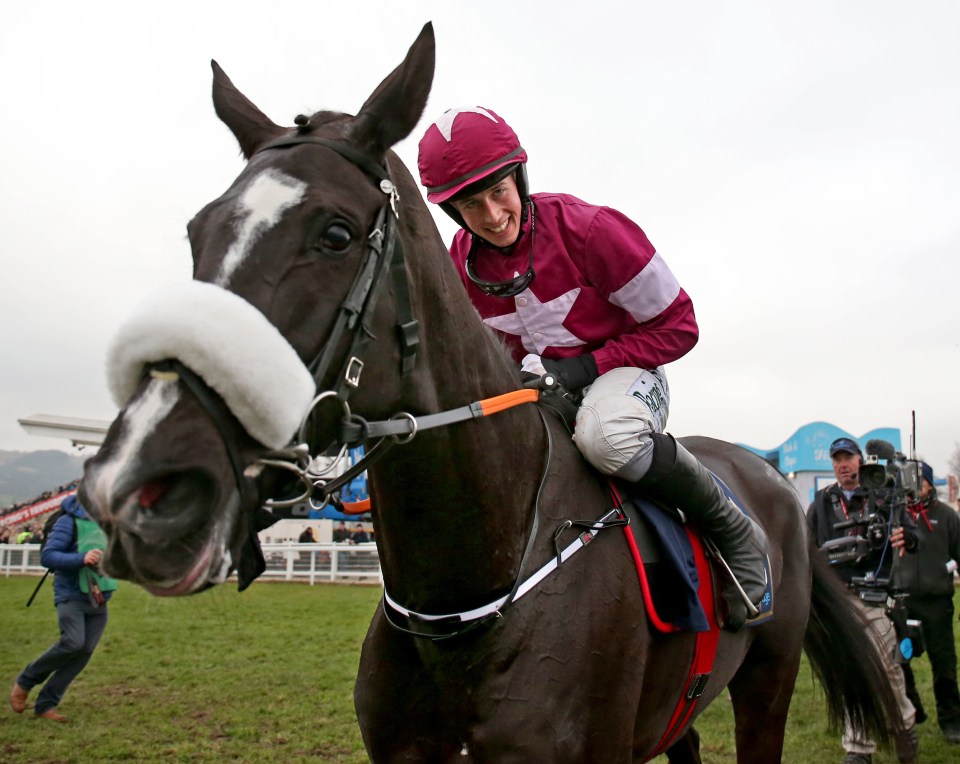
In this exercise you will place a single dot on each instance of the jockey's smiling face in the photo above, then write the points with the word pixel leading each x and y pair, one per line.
pixel 494 213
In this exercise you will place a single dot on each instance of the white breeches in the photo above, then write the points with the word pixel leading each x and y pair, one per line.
pixel 620 411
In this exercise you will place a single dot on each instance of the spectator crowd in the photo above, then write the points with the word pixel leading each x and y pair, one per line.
pixel 30 531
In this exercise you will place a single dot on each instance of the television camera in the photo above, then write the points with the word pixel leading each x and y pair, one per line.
pixel 891 487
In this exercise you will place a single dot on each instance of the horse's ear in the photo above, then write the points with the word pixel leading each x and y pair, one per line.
pixel 251 126
pixel 395 107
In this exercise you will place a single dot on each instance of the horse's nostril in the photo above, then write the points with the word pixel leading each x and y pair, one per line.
pixel 168 509
pixel 151 492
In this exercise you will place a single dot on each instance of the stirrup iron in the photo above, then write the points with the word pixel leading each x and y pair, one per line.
pixel 752 611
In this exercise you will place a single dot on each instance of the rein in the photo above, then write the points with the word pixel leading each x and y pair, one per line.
pixel 355 430
pixel 465 622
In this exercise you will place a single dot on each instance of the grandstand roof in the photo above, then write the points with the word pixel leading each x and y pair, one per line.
pixel 80 432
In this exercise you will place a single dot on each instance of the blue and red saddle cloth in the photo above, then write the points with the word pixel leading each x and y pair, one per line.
pixel 672 564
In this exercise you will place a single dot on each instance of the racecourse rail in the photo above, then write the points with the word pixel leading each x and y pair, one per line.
pixel 287 561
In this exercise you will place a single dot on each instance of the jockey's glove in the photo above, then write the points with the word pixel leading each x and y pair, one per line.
pixel 573 374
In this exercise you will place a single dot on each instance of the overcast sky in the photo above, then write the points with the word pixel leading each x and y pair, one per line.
pixel 797 165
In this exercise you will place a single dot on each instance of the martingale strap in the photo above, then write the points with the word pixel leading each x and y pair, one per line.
pixel 470 619
pixel 467 621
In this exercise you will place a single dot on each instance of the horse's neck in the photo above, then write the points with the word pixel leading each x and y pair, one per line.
pixel 454 506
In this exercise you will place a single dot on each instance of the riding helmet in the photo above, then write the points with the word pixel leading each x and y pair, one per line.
pixel 468 150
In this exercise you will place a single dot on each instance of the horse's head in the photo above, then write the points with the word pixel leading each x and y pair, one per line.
pixel 297 269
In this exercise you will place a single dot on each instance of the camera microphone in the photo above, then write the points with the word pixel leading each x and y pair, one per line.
pixel 881 449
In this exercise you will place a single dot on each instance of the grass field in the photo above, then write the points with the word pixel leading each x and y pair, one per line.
pixel 267 676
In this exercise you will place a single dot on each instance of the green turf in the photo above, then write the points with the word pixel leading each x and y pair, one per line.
pixel 266 676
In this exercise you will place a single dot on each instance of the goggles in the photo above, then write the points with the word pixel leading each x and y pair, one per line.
pixel 510 287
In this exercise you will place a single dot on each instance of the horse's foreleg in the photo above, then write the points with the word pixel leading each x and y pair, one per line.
pixel 686 750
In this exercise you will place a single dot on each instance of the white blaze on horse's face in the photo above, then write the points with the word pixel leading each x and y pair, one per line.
pixel 141 418
pixel 260 207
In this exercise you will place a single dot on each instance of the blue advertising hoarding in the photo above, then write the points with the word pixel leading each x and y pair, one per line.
pixel 808 449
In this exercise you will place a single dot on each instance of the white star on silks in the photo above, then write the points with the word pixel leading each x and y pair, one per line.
pixel 445 123
pixel 539 324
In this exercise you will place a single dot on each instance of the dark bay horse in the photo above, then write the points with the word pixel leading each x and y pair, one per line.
pixel 324 310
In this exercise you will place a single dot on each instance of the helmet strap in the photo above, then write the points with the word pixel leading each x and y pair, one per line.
pixel 523 186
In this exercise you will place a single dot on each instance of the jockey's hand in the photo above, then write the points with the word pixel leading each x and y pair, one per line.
pixel 529 380
pixel 575 373
pixel 532 375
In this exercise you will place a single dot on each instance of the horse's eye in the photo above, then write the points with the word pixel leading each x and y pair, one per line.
pixel 336 238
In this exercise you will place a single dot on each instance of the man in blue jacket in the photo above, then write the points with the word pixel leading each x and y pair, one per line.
pixel 80 594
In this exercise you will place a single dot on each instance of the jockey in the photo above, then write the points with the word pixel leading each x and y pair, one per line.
pixel 577 290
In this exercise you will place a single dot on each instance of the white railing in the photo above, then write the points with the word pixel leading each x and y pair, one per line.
pixel 286 561
pixel 323 562
pixel 20 559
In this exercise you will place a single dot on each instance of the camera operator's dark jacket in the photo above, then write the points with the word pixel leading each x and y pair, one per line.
pixel 827 509
pixel 925 573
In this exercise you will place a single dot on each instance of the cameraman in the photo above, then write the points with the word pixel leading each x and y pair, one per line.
pixel 929 582
pixel 840 503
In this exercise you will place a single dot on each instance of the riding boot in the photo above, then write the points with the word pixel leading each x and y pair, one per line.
pixel 678 479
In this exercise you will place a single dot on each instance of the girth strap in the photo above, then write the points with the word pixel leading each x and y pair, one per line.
pixel 701 665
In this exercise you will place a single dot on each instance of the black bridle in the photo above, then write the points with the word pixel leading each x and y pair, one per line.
pixel 384 254
pixel 383 257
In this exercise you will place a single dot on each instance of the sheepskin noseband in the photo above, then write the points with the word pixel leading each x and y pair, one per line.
pixel 226 341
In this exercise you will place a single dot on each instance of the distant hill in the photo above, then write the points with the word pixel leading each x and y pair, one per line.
pixel 24 475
